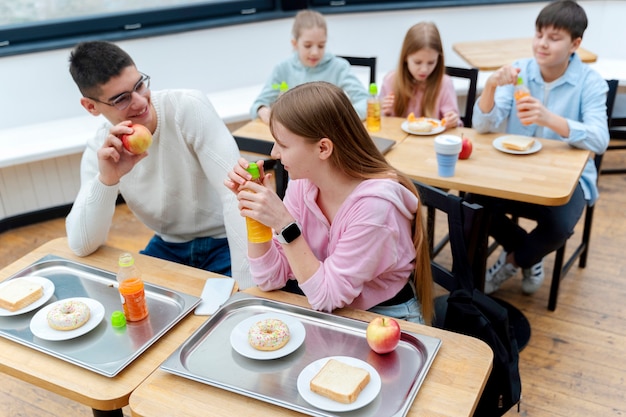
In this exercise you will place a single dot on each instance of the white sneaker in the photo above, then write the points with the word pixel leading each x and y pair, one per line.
pixel 498 273
pixel 533 278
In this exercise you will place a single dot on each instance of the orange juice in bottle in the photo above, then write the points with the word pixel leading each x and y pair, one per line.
pixel 257 231
pixel 521 90
pixel 131 289
pixel 372 120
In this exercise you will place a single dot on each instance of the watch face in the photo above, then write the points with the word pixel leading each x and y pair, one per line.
pixel 291 232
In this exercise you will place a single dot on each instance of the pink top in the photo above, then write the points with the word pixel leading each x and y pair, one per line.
pixel 446 101
pixel 366 254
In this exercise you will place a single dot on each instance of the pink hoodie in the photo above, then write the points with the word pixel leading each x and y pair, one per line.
pixel 366 254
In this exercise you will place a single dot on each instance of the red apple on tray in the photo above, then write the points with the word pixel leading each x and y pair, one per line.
pixel 139 141
pixel 383 334
pixel 466 149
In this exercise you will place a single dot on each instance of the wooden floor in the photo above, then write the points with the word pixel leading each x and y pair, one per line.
pixel 574 364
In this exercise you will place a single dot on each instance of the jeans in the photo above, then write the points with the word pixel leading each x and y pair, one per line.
pixel 555 224
pixel 409 311
pixel 204 253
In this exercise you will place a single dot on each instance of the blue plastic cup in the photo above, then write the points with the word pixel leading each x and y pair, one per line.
pixel 447 148
pixel 446 164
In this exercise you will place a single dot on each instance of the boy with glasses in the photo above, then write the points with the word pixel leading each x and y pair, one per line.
pixel 176 187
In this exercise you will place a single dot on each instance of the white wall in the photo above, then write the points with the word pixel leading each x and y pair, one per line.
pixel 37 87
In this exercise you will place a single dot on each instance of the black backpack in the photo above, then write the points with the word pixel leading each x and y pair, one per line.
pixel 471 312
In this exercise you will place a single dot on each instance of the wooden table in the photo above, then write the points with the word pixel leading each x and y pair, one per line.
pixel 451 388
pixel 256 129
pixel 106 396
pixel 548 177
pixel 489 55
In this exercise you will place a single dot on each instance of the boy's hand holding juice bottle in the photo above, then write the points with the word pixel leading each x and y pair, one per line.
pixel 520 92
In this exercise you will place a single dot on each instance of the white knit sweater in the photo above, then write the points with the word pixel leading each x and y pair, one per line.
pixel 178 190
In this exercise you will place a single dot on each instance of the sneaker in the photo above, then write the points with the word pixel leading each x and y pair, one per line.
pixel 533 278
pixel 498 273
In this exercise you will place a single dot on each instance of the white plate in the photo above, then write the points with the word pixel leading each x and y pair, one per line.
pixel 405 127
pixel 40 328
pixel 497 143
pixel 239 337
pixel 48 291
pixel 366 396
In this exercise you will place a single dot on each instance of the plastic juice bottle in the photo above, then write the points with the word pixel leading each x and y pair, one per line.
pixel 521 91
pixel 131 289
pixel 372 120
pixel 257 231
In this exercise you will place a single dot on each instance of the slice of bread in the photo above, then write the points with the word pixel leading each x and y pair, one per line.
pixel 19 294
pixel 339 381
pixel 518 143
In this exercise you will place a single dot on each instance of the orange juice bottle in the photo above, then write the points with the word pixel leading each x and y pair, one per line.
pixel 131 289
pixel 372 120
pixel 520 89
pixel 257 231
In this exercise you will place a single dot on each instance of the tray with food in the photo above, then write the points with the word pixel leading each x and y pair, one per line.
pixel 315 363
pixel 64 309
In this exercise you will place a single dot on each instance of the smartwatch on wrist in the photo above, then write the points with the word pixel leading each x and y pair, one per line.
pixel 289 233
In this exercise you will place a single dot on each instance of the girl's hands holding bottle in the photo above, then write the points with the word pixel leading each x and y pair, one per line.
pixel 257 201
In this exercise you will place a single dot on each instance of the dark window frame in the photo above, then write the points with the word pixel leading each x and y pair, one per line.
pixel 64 33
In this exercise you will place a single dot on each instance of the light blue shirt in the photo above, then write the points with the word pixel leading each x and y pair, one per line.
pixel 331 68
pixel 579 96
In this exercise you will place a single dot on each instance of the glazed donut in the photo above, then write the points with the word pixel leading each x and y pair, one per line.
pixel 270 334
pixel 68 315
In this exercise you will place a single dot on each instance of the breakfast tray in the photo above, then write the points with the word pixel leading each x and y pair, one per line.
pixel 209 357
pixel 105 350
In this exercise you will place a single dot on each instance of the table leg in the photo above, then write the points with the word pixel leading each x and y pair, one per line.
pixel 108 413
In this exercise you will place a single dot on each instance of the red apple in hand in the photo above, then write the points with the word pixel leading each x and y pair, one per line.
pixel 466 149
pixel 383 334
pixel 139 141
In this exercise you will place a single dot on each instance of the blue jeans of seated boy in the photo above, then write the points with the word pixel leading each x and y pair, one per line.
pixel 555 224
pixel 204 253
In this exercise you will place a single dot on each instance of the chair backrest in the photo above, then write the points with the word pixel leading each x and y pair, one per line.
pixel 472 75
pixel 471 218
pixel 610 102
pixel 369 62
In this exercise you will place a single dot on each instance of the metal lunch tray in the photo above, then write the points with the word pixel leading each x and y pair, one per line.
pixel 105 350
pixel 207 356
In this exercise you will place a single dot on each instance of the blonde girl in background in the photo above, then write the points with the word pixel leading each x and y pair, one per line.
pixel 310 62
pixel 419 85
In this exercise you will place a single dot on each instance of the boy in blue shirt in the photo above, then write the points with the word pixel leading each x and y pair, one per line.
pixel 567 102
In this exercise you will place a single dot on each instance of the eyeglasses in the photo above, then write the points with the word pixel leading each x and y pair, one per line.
pixel 123 100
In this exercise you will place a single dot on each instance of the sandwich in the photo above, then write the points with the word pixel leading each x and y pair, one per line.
pixel 518 143
pixel 340 382
pixel 19 294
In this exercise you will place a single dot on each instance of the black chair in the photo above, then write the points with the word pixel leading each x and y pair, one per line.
pixel 472 75
pixel 470 217
pixel 561 267
pixel 617 133
pixel 263 147
pixel 369 62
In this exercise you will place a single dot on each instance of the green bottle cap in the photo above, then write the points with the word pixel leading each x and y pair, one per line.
pixel 520 81
pixel 373 89
pixel 283 87
pixel 118 319
pixel 253 169
pixel 126 259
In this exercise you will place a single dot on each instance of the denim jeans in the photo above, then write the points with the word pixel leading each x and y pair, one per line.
pixel 204 253
pixel 555 224
pixel 409 311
